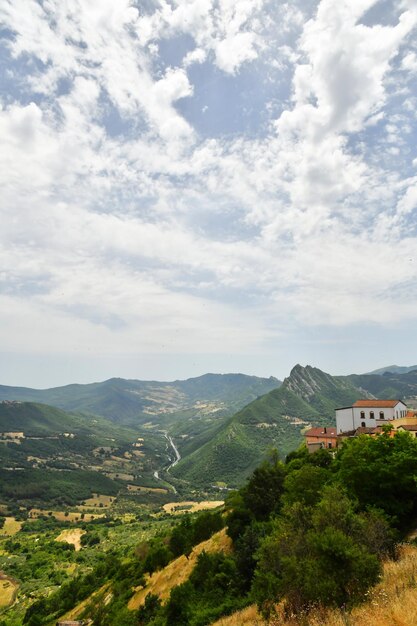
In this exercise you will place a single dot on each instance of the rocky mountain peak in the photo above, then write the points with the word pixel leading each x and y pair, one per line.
pixel 307 381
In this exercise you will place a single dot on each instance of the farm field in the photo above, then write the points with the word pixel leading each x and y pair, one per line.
pixel 177 508
pixel 51 548
pixel 65 516
pixel 11 527
pixel 73 537
pixel 8 589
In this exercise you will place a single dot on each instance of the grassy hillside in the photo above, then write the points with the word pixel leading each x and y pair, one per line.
pixel 50 456
pixel 41 419
pixel 388 385
pixel 276 420
pixel 392 601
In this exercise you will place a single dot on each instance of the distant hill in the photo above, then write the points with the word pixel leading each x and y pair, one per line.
pixel 307 396
pixel 394 369
pixel 48 455
pixel 222 425
pixel 136 402
pixel 387 385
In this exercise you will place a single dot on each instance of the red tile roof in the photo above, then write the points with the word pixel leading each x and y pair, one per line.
pixel 408 427
pixel 376 403
pixel 326 432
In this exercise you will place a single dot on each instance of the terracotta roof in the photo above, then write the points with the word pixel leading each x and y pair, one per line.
pixel 408 427
pixel 377 403
pixel 319 431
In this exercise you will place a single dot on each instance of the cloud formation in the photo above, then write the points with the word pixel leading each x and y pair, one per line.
pixel 128 229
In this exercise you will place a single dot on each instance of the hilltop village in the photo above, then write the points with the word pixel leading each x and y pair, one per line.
pixel 364 417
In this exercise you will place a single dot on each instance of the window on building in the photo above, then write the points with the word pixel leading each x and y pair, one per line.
pixel 362 415
pixel 381 415
pixel 363 424
pixel 330 444
pixel 372 415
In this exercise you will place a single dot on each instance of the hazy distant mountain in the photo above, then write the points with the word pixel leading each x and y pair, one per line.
pixel 136 401
pixel 387 385
pixel 394 369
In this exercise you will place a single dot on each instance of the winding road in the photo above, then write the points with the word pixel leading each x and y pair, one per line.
pixel 173 464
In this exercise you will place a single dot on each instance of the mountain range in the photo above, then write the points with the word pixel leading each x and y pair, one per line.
pixel 136 401
pixel 222 425
pixel 307 397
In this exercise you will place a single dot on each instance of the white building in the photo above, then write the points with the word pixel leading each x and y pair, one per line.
pixel 368 413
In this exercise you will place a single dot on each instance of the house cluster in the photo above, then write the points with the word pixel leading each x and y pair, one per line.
pixel 364 417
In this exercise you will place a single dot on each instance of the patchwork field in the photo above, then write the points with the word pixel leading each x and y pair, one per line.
pixel 139 489
pixel 177 508
pixel 64 516
pixel 97 501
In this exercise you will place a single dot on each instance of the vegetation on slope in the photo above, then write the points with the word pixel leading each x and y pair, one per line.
pixel 48 456
pixel 308 535
pixel 275 420
pixel 392 601
pixel 135 401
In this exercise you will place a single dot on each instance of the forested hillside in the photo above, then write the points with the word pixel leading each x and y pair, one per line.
pixel 306 534
pixel 276 420
pixel 135 402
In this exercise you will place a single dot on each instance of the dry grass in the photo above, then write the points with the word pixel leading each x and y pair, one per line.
pixel 65 516
pixel 178 571
pixel 72 536
pixel 177 508
pixel 393 602
pixel 247 617
pixel 75 613
pixel 11 527
pixel 96 501
pixel 8 589
pixel 119 475
pixel 138 488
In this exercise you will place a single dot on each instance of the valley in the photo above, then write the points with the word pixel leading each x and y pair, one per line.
pixel 78 488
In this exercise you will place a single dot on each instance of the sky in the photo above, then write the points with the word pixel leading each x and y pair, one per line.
pixel 206 185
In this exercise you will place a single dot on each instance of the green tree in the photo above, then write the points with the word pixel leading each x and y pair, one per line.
pixel 381 472
pixel 320 555
pixel 262 494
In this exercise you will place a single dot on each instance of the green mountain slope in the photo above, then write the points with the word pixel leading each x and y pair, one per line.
pixel 276 420
pixel 136 402
pixel 48 455
pixel 388 385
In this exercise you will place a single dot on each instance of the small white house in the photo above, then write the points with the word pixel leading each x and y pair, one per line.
pixel 368 413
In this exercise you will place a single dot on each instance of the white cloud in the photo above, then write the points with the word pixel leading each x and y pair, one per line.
pixel 154 236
